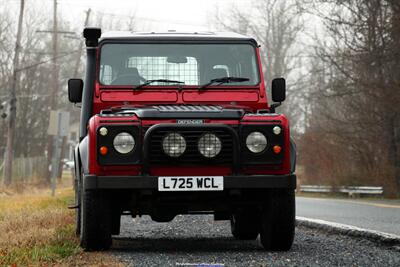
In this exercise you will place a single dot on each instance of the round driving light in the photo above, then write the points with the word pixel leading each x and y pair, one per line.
pixel 174 145
pixel 256 142
pixel 124 143
pixel 103 131
pixel 277 130
pixel 209 145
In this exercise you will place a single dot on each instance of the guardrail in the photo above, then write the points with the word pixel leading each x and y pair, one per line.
pixel 316 188
pixel 350 190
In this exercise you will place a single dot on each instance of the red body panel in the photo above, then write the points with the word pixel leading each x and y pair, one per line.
pixel 251 98
pixel 97 121
pixel 139 96
pixel 220 96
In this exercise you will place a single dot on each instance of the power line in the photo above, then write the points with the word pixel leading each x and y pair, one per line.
pixel 40 63
pixel 178 22
pixel 45 61
pixel 27 96
pixel 58 32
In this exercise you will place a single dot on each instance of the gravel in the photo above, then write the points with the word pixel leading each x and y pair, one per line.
pixel 199 240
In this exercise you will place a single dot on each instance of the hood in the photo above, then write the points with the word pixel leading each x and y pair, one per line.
pixel 179 112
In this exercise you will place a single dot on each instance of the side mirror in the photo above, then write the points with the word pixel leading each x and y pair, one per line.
pixel 278 90
pixel 75 89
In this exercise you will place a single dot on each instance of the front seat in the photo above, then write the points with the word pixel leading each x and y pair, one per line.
pixel 128 76
pixel 217 73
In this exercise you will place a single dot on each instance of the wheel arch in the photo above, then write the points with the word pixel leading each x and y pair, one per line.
pixel 83 153
pixel 293 156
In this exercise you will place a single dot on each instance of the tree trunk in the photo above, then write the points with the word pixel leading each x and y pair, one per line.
pixel 13 105
pixel 53 97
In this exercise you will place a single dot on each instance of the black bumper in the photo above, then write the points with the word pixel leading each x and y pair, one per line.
pixel 151 182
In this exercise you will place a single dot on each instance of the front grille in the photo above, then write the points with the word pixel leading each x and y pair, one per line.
pixel 191 156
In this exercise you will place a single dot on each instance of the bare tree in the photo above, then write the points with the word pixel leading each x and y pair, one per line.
pixel 13 112
pixel 276 25
pixel 356 99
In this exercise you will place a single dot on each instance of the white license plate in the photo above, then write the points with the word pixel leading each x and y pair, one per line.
pixel 190 183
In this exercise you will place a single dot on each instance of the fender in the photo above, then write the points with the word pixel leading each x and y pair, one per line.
pixel 77 165
pixel 293 155
pixel 84 155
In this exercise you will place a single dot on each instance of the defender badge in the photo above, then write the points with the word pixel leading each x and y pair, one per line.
pixel 189 121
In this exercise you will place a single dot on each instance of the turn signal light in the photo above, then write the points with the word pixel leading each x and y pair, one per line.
pixel 103 150
pixel 277 149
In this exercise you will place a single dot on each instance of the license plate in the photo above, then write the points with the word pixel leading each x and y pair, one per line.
pixel 190 183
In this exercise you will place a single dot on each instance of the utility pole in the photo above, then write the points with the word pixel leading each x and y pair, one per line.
pixel 53 95
pixel 81 47
pixel 76 69
pixel 54 87
pixel 9 154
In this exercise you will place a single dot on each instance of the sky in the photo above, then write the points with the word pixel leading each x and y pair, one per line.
pixel 150 15
pixel 153 15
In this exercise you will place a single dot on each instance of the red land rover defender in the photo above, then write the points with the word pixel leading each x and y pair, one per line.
pixel 178 123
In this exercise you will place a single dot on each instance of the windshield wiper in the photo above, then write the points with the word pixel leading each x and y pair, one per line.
pixel 223 80
pixel 147 82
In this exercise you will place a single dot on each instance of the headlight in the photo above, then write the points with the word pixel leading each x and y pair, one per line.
pixel 209 145
pixel 124 142
pixel 256 142
pixel 174 145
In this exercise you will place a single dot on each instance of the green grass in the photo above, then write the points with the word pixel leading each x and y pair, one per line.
pixel 40 254
pixel 37 229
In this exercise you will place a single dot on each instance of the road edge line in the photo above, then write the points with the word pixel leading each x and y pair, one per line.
pixel 349 230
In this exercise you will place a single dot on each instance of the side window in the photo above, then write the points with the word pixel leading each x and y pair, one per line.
pixel 106 74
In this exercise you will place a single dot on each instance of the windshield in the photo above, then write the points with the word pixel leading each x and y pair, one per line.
pixel 191 64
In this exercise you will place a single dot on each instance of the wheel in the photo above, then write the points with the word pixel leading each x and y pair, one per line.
pixel 245 225
pixel 77 174
pixel 278 220
pixel 115 223
pixel 78 209
pixel 95 220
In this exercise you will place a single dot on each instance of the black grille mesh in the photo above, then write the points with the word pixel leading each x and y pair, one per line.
pixel 191 156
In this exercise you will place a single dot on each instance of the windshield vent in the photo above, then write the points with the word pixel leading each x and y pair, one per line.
pixel 187 108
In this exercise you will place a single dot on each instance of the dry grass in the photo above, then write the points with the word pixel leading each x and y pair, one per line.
pixel 38 230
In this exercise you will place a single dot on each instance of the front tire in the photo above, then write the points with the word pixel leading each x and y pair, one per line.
pixel 95 220
pixel 78 208
pixel 244 225
pixel 116 223
pixel 278 220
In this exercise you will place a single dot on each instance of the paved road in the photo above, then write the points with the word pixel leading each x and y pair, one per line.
pixel 381 216
pixel 196 240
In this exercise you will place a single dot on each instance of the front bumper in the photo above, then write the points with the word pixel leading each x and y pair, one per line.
pixel 151 182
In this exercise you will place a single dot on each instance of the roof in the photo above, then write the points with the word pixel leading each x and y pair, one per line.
pixel 173 35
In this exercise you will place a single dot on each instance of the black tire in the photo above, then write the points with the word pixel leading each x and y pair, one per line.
pixel 278 220
pixel 245 225
pixel 116 223
pixel 78 209
pixel 95 220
